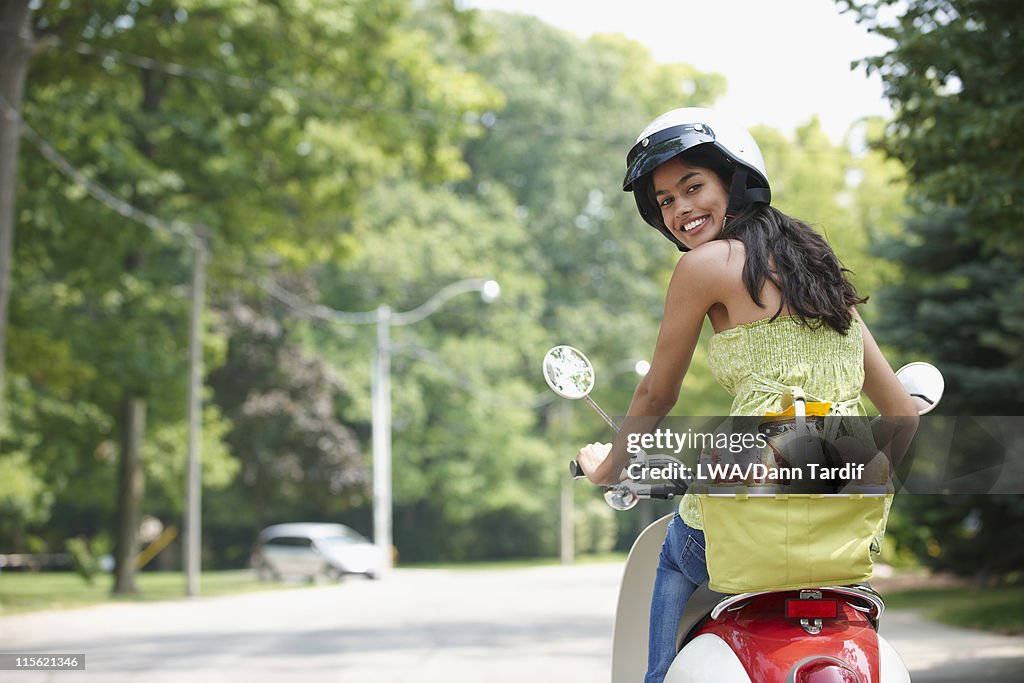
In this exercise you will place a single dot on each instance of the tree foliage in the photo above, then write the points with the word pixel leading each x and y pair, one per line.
pixel 956 79
pixel 203 112
pixel 957 85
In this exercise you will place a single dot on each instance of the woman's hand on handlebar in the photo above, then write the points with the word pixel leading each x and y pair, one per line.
pixel 590 458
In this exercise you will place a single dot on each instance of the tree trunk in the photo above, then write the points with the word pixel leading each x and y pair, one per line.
pixel 131 483
pixel 15 50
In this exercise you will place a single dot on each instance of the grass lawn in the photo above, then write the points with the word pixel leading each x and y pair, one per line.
pixel 1000 610
pixel 27 591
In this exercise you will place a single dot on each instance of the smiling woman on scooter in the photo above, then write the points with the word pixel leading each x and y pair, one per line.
pixel 778 299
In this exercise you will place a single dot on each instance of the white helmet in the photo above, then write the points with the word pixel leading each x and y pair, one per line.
pixel 680 130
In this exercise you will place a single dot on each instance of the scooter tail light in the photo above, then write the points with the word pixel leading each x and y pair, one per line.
pixel 812 609
pixel 823 670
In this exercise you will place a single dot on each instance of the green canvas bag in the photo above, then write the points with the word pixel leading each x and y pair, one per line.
pixel 789 541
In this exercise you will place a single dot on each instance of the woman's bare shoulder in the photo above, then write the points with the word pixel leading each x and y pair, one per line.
pixel 720 258
pixel 709 274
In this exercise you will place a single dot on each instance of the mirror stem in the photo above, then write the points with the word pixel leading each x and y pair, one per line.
pixel 610 421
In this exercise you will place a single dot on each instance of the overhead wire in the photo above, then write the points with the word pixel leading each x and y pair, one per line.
pixel 193 234
pixel 488 120
pixel 217 77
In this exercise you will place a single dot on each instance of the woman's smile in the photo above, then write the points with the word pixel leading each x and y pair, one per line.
pixel 696 224
pixel 693 201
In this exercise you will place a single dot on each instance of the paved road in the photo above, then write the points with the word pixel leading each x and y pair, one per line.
pixel 538 625
pixel 935 653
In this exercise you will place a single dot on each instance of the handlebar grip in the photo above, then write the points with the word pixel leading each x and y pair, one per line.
pixel 575 470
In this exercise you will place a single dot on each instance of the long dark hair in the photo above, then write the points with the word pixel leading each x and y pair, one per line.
pixel 796 259
pixel 786 252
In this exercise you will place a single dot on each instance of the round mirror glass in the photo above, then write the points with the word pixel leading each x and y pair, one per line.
pixel 924 383
pixel 568 372
pixel 621 498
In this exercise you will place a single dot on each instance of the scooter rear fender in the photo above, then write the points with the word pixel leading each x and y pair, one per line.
pixel 707 658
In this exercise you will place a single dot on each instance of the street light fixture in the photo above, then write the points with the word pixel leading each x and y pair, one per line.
pixel 381 398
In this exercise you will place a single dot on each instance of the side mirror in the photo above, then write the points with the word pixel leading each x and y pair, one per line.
pixel 568 372
pixel 924 383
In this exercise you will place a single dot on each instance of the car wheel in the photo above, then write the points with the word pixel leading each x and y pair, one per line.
pixel 265 573
pixel 333 573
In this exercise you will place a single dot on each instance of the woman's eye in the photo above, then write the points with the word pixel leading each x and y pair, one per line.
pixel 693 188
pixel 666 201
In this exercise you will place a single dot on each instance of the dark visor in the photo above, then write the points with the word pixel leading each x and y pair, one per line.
pixel 659 147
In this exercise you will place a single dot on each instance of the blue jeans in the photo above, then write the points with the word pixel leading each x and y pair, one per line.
pixel 681 568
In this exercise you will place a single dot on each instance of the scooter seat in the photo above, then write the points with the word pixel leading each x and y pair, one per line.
pixel 697 608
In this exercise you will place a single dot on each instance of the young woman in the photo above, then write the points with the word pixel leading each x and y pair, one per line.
pixel 778 299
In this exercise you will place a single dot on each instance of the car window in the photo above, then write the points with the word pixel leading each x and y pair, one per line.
pixel 348 539
pixel 289 542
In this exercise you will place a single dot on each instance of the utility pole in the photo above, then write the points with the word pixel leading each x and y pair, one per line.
pixel 15 50
pixel 193 473
pixel 381 405
pixel 567 516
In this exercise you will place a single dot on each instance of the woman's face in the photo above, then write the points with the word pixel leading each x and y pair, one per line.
pixel 692 199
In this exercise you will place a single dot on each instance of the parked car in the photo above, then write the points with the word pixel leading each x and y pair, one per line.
pixel 313 550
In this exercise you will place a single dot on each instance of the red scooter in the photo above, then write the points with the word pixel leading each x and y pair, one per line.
pixel 825 634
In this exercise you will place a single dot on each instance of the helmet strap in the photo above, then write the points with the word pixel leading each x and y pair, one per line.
pixel 737 194
pixel 740 195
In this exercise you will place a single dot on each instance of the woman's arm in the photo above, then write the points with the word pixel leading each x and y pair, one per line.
pixel 696 285
pixel 899 412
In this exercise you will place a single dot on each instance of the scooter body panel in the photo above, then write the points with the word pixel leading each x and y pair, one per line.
pixel 893 670
pixel 633 613
pixel 769 645
pixel 707 658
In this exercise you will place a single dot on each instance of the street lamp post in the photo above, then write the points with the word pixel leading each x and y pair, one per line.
pixel 193 472
pixel 381 399
pixel 380 390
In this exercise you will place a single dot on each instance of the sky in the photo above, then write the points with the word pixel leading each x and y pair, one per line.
pixel 783 60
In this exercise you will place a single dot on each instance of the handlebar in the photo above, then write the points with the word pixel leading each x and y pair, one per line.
pixel 665 491
pixel 576 470
pixel 630 489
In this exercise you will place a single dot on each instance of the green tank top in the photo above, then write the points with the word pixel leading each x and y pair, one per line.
pixel 756 362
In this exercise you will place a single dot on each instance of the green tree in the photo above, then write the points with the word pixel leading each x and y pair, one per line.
pixel 264 122
pixel 282 403
pixel 951 75
pixel 956 79
pixel 957 85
